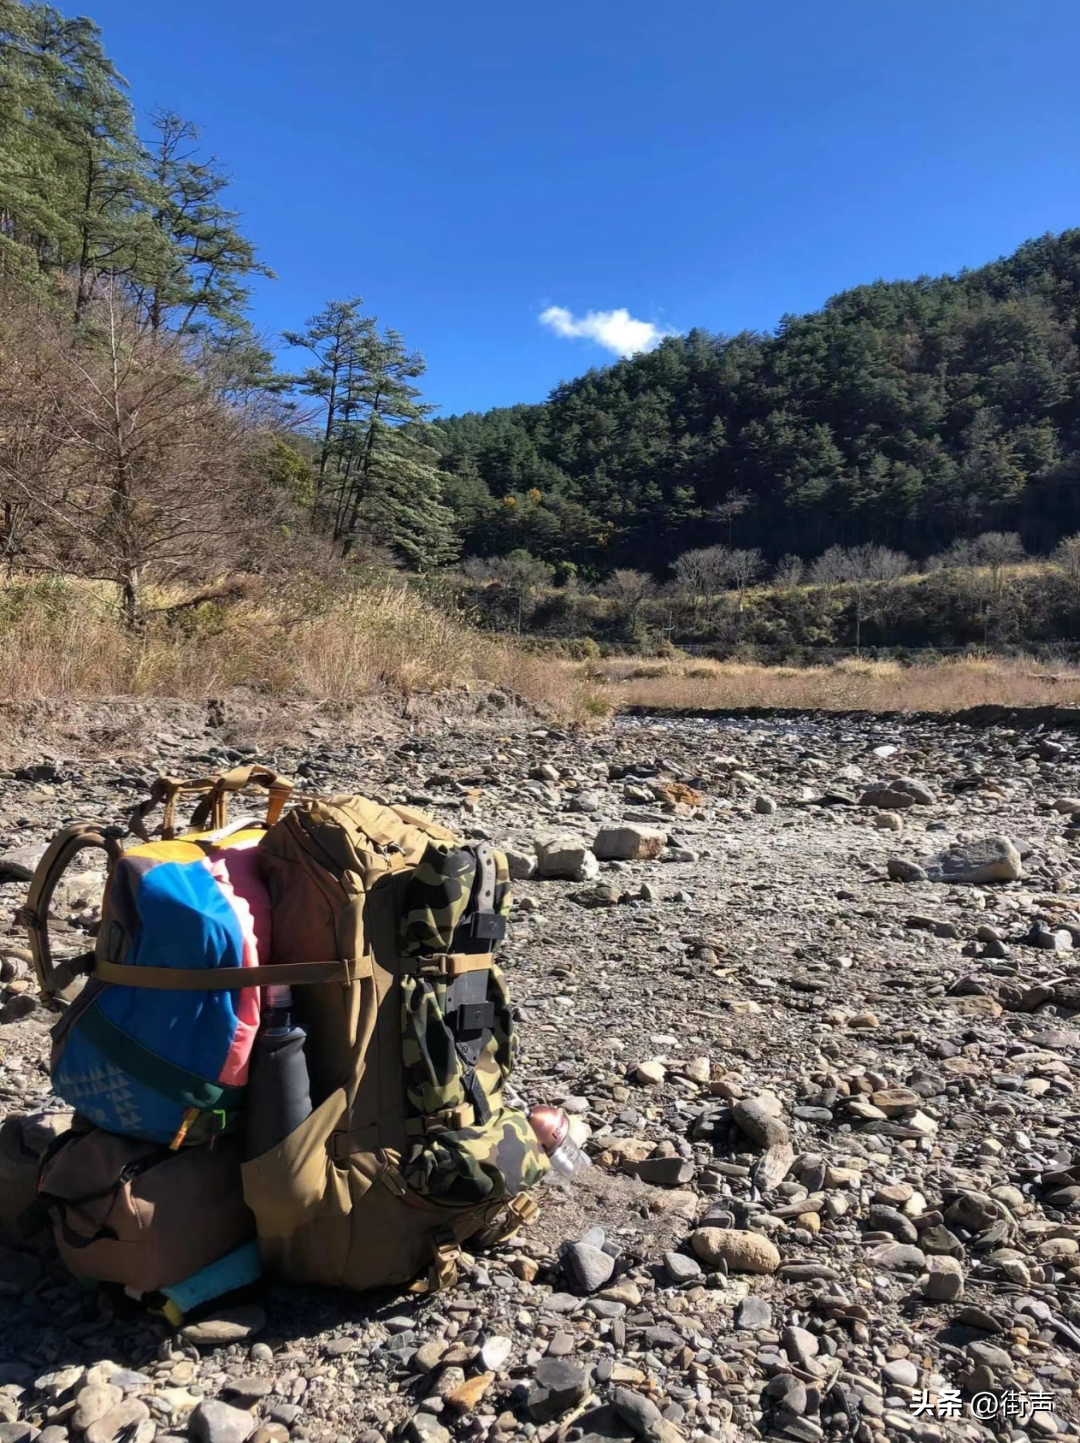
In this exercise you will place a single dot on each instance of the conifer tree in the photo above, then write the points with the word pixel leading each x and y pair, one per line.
pixel 390 486
pixel 196 275
pixel 334 337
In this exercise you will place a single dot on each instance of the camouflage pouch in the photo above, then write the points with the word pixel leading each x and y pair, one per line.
pixel 458 1041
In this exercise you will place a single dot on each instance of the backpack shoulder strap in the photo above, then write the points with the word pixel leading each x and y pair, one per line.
pixel 55 979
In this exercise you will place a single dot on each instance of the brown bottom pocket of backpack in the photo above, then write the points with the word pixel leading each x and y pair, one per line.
pixel 134 1213
pixel 303 1201
pixel 395 1230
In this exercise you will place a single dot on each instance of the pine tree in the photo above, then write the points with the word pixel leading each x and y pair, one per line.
pixel 102 158
pixel 38 49
pixel 390 487
pixel 335 338
pixel 196 275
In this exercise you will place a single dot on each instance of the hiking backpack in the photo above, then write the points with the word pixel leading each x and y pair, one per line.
pixel 384 925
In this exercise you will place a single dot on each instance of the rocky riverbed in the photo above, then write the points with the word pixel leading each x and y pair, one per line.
pixel 809 992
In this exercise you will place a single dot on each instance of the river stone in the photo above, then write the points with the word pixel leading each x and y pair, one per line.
pixel 799 1344
pixel 629 843
pixel 752 1314
pixel 756 1119
pixel 993 859
pixel 558 1386
pixel 902 1372
pixel 888 1220
pixel 889 797
pixel 974 1211
pixel 901 869
pixel 522 865
pixel 19 864
pixel 743 1252
pixel 991 1355
pixel 129 1422
pixel 643 1415
pixel 899 1257
pixel 426 1428
pixel 943 1281
pixel 665 1171
pixel 232 1325
pixel 468 1394
pixel 566 857
pixel 93 1402
pixel 773 1166
pixel 940 1242
pixel 680 1268
pixel 495 1352
pixel 589 1267
pixel 217 1422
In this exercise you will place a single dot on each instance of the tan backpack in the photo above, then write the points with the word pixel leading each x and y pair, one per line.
pixel 384 926
pixel 410 1149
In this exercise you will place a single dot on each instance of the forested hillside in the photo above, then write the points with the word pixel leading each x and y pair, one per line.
pixel 906 413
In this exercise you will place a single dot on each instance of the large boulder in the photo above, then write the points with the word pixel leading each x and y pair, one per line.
pixel 18 865
pixel 566 857
pixel 629 843
pixel 992 859
pixel 743 1252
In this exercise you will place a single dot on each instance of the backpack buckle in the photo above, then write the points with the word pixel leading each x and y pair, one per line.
pixel 434 964
pixel 449 1119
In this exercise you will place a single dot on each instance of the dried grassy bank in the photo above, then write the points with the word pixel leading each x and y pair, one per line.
pixel 64 639
pixel 851 685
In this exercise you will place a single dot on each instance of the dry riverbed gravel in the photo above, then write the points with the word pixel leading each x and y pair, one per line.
pixel 828 1084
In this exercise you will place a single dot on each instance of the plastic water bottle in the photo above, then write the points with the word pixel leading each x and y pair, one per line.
pixel 279 1089
pixel 552 1128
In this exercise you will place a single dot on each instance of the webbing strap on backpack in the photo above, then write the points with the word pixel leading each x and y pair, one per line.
pixel 55 978
pixel 442 1273
pixel 225 979
pixel 213 793
pixel 469 1014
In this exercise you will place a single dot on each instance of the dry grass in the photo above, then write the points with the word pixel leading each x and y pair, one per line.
pixel 65 640
pixel 851 685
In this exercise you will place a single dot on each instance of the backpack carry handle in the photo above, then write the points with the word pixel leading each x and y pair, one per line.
pixel 57 979
pixel 213 804
pixel 214 807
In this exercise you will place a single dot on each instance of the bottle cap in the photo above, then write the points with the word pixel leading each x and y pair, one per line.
pixel 551 1125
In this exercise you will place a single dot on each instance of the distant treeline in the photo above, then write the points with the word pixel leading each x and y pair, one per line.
pixel 979 595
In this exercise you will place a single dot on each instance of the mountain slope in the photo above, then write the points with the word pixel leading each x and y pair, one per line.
pixel 905 412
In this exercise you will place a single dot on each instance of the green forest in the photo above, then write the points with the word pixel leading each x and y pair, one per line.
pixel 150 437
pixel 904 413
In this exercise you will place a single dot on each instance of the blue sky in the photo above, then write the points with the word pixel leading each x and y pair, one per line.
pixel 467 168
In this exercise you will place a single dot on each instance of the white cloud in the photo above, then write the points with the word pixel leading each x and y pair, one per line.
pixel 616 331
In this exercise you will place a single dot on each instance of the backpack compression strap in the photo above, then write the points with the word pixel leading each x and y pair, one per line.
pixel 226 979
